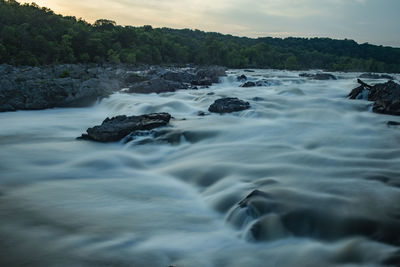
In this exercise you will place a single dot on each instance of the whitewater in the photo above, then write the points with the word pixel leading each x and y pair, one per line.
pixel 305 177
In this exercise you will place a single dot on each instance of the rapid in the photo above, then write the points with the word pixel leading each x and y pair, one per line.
pixel 305 177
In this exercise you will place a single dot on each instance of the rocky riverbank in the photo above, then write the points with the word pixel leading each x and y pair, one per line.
pixel 76 85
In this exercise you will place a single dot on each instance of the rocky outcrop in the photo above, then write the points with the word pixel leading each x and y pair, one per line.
pixel 386 96
pixel 241 78
pixel 76 85
pixel 118 127
pixel 248 84
pixel 228 104
pixel 161 80
pixel 318 76
pixel 270 215
pixel 375 76
pixel 212 73
pixel 156 85
pixel 179 76
pixel 55 86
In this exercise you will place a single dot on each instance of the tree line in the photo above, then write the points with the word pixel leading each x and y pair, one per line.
pixel 33 35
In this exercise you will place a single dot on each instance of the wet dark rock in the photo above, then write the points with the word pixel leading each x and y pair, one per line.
pixel 276 214
pixel 241 78
pixel 248 84
pixel 202 82
pixel 212 73
pixel 257 98
pixel 318 76
pixel 386 96
pixel 393 260
pixel 76 85
pixel 387 107
pixel 360 92
pixel 211 93
pixel 135 78
pixel 118 127
pixel 56 86
pixel 228 104
pixel 202 113
pixel 393 123
pixel 156 85
pixel 179 76
pixel 268 83
pixel 249 71
pixel 375 76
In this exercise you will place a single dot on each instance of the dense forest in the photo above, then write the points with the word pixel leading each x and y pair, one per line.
pixel 31 35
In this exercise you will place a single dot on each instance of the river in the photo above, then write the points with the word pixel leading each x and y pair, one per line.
pixel 326 171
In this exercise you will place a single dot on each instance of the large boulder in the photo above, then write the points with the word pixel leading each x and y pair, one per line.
pixel 375 76
pixel 156 85
pixel 241 78
pixel 118 127
pixel 248 84
pixel 269 214
pixel 228 104
pixel 386 96
pixel 179 76
pixel 55 86
pixel 211 73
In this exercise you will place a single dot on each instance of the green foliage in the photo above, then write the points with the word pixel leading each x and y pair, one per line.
pixel 65 74
pixel 30 35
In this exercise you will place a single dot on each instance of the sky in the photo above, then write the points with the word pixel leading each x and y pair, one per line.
pixel 373 21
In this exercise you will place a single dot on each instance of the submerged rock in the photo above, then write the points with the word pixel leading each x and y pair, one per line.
pixel 241 78
pixel 375 76
pixel 228 104
pixel 275 214
pixel 118 127
pixel 318 76
pixel 248 84
pixel 386 96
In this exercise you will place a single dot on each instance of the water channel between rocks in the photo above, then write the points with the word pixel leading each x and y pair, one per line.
pixel 321 174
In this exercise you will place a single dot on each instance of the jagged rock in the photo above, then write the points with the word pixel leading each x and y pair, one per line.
pixel 393 123
pixel 76 85
pixel 178 76
pixel 268 83
pixel 318 76
pixel 211 72
pixel 55 86
pixel 228 104
pixel 156 85
pixel 135 78
pixel 268 215
pixel 375 76
pixel 360 92
pixel 386 96
pixel 241 78
pixel 248 84
pixel 202 82
pixel 118 127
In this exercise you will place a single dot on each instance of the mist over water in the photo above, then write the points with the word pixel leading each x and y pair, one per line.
pixel 305 177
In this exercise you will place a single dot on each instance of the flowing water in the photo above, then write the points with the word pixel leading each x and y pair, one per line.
pixel 305 177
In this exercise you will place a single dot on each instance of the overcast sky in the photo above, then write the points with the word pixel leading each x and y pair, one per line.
pixel 373 21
